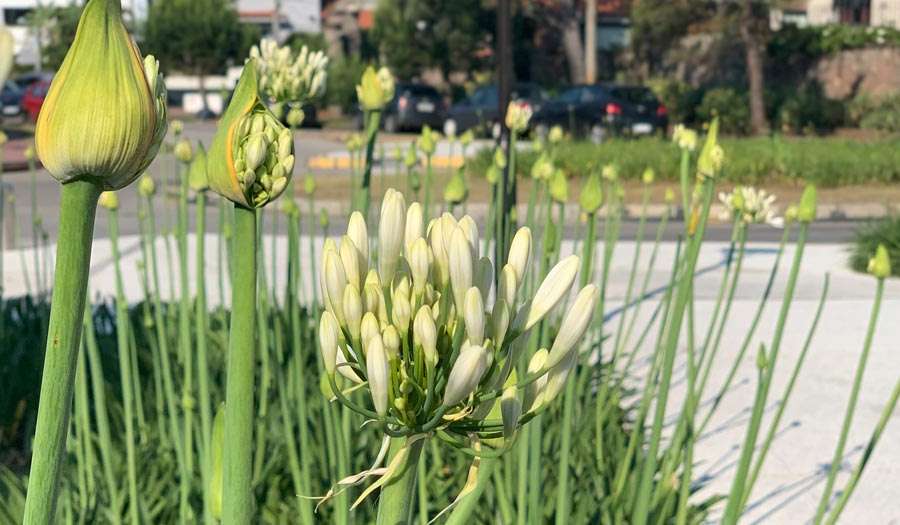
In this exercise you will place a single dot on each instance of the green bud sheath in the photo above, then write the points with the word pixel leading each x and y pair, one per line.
pixel 248 147
pixel 591 197
pixel 806 210
pixel 197 176
pixel 705 163
pixel 880 264
pixel 100 120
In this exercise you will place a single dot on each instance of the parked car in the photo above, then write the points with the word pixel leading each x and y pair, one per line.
pixel 601 110
pixel 11 99
pixel 414 105
pixel 33 98
pixel 480 110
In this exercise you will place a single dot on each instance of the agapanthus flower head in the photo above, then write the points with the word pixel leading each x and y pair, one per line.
pixel 375 89
pixel 427 335
pixel 555 135
pixel 542 169
pixel 251 158
pixel 750 206
pixel 685 138
pixel 289 77
pixel 518 115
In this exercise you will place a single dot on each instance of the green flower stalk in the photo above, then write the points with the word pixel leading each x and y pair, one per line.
pixel 101 125
pixel 427 144
pixel 374 92
pixel 250 162
pixel 416 333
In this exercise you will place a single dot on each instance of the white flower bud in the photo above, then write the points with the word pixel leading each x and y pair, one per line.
pixel 425 334
pixel 329 335
pixel 484 277
pixel 390 234
pixel 401 313
pixel 510 406
pixel 335 281
pixel 508 285
pixel 470 229
pixel 552 290
pixel 461 272
pixel 353 310
pixel 499 322
pixel 368 328
pixel 574 324
pixel 359 234
pixel 467 371
pixel 556 377
pixel 391 340
pixel 419 264
pixel 350 257
pixel 414 225
pixel 533 389
pixel 520 253
pixel 441 258
pixel 473 314
pixel 378 371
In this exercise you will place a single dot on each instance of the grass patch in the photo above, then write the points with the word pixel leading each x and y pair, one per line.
pixel 884 231
pixel 826 162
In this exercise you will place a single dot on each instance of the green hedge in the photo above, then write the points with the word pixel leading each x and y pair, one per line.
pixel 823 161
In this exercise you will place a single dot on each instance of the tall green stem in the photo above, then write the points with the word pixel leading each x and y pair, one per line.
pixel 851 405
pixel 202 322
pixel 397 499
pixel 238 447
pixel 78 205
pixel 122 328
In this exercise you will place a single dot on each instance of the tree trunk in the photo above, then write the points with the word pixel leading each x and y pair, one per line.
pixel 590 42
pixel 759 125
pixel 571 40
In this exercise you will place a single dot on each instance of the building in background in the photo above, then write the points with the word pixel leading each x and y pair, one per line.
pixel 294 16
pixel 345 24
pixel 875 13
pixel 15 14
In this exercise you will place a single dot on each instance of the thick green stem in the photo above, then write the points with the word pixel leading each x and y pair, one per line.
pixel 238 447
pixel 395 506
pixel 77 209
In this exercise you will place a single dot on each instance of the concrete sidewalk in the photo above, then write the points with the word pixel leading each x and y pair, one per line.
pixel 792 480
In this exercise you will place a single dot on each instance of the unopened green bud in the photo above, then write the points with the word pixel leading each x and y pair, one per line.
pixel 556 135
pixel 309 184
pixel 183 151
pixel 711 156
pixel 109 200
pixel 610 172
pixel 197 177
pixel 427 141
pixel 790 214
pixel 500 158
pixel 104 116
pixel 806 210
pixel 323 218
pixel 649 176
pixel 455 192
pixel 559 186
pixel 880 263
pixel 761 360
pixel 295 117
pixel 176 127
pixel 591 197
pixel 147 186
pixel 410 159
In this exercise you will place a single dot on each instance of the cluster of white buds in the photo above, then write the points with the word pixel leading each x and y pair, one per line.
pixel 518 115
pixel 684 137
pixel 285 76
pixel 264 157
pixel 749 205
pixel 412 322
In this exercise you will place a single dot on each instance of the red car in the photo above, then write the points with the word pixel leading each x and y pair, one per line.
pixel 33 98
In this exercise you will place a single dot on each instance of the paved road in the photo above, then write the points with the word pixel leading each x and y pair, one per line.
pixel 309 143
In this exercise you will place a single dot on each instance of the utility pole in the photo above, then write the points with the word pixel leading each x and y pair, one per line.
pixel 504 86
pixel 276 21
pixel 590 41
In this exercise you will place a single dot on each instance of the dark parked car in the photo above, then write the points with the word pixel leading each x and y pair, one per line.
pixel 414 105
pixel 11 99
pixel 480 110
pixel 604 109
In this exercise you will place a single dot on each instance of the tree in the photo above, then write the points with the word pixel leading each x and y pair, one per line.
pixel 414 35
pixel 199 37
pixel 753 26
pixel 658 26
